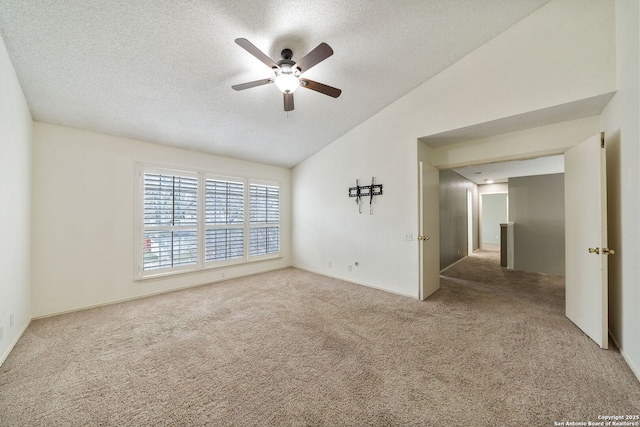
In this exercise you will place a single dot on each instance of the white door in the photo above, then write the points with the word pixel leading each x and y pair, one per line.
pixel 429 238
pixel 586 238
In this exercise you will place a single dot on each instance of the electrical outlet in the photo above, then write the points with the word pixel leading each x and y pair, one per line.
pixel 349 267
pixel 1 332
pixel 329 264
pixel 11 320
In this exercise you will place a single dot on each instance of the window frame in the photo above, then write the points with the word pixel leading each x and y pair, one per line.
pixel 226 262
pixel 142 228
pixel 267 223
pixel 201 224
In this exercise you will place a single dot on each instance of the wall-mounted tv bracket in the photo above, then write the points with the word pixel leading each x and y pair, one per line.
pixel 360 191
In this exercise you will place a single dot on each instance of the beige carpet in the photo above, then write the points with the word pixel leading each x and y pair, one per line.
pixel 491 348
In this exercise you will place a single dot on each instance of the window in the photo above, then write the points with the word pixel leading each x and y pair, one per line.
pixel 264 202
pixel 170 221
pixel 224 210
pixel 193 220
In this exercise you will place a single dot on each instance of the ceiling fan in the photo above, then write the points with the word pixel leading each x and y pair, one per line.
pixel 288 72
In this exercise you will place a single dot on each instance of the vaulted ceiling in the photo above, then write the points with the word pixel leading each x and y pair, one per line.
pixel 162 70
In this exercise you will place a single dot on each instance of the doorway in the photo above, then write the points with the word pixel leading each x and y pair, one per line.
pixel 494 210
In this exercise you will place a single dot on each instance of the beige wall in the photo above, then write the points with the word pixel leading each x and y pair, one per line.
pixel 15 207
pixel 84 217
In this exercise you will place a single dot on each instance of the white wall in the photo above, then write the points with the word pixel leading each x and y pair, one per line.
pixel 494 213
pixel 561 53
pixel 500 187
pixel 621 118
pixel 327 225
pixel 15 207
pixel 491 189
pixel 83 217
pixel 537 142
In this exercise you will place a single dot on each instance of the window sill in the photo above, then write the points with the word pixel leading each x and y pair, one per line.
pixel 205 269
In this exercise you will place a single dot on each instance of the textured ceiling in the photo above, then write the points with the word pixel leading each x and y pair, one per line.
pixel 162 70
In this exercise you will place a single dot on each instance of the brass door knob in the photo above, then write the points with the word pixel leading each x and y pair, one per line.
pixel 423 237
pixel 605 251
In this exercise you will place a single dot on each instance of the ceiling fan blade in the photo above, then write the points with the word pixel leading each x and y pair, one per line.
pixel 319 54
pixel 249 47
pixel 248 85
pixel 288 101
pixel 319 87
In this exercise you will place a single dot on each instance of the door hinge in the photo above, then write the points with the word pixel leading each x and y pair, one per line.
pixel 602 139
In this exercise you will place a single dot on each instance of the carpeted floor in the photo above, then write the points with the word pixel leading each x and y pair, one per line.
pixel 491 348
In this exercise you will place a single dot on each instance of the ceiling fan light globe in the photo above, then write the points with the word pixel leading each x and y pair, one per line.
pixel 287 83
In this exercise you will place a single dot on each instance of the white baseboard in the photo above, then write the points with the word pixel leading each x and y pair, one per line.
pixel 151 294
pixel 634 369
pixel 13 344
pixel 209 282
pixel 356 283
pixel 454 263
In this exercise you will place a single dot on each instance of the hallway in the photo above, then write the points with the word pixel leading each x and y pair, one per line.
pixel 481 271
pixel 516 324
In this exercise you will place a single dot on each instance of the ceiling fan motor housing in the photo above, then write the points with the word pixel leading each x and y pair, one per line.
pixel 286 54
pixel 286 64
